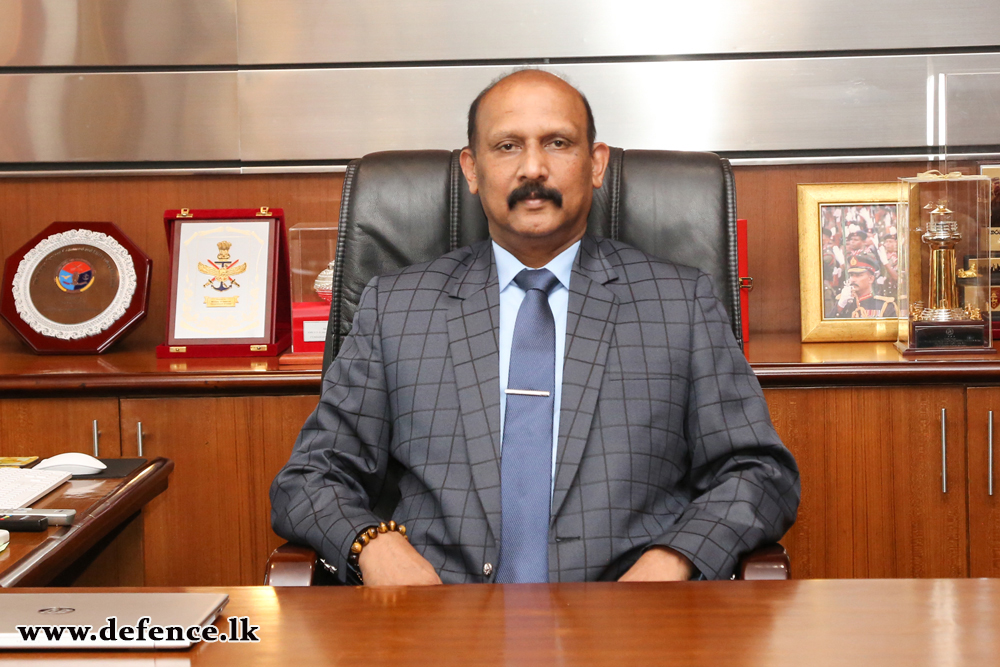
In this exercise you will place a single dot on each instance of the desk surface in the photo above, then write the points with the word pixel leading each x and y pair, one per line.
pixel 831 622
pixel 34 559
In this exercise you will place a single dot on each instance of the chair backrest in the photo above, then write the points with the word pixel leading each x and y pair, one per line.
pixel 404 207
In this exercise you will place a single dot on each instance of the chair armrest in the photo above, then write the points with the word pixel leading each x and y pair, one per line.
pixel 768 562
pixel 291 565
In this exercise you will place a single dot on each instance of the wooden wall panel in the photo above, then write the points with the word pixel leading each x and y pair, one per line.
pixel 766 196
pixel 136 204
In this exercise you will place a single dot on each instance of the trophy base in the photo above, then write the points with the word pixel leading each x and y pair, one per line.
pixel 955 337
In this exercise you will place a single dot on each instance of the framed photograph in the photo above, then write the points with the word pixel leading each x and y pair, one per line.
pixel 76 288
pixel 848 261
pixel 228 283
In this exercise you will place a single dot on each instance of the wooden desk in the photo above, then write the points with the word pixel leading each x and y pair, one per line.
pixel 877 622
pixel 103 507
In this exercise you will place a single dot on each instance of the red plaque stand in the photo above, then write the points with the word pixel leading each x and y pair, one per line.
pixel 278 326
pixel 746 281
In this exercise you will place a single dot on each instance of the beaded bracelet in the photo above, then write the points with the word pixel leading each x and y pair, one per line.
pixel 366 536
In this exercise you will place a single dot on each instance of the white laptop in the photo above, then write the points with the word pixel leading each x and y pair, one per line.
pixel 67 614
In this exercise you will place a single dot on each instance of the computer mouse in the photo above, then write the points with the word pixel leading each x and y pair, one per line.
pixel 4 539
pixel 72 462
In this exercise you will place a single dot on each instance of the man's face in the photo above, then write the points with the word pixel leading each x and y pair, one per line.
pixel 533 167
pixel 890 245
pixel 854 242
pixel 862 280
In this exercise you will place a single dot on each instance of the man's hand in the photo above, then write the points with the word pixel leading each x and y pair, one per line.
pixel 846 295
pixel 658 564
pixel 389 560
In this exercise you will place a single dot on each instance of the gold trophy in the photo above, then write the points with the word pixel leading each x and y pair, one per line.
pixel 944 279
pixel 943 322
pixel 942 236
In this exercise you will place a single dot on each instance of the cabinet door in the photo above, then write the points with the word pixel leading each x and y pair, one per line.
pixel 47 426
pixel 873 501
pixel 984 507
pixel 212 526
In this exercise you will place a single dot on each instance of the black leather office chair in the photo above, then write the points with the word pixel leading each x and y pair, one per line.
pixel 404 207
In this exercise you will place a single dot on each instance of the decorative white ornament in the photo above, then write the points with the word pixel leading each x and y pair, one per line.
pixel 119 304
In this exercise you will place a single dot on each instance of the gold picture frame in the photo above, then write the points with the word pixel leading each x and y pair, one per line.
pixel 832 207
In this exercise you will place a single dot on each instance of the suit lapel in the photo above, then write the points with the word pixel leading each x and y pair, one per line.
pixel 591 316
pixel 473 322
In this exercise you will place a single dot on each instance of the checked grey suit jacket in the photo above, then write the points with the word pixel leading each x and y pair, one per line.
pixel 664 438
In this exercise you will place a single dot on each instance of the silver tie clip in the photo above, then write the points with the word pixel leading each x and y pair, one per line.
pixel 526 392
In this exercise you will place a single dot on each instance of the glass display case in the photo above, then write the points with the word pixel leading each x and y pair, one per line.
pixel 312 249
pixel 944 276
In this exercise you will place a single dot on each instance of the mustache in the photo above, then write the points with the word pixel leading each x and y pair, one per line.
pixel 534 190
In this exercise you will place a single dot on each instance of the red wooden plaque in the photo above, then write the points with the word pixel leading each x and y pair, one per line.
pixel 76 288
pixel 229 284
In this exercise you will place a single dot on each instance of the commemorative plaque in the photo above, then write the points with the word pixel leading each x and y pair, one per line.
pixel 229 294
pixel 76 288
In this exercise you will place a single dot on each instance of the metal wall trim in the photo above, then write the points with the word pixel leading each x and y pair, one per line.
pixel 335 169
pixel 347 31
pixel 135 117
pixel 67 33
pixel 862 104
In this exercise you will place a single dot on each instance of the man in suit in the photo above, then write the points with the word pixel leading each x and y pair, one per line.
pixel 562 407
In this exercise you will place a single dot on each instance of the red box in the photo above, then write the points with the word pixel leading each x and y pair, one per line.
pixel 309 320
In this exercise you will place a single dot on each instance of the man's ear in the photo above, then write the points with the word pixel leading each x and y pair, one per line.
pixel 468 162
pixel 599 155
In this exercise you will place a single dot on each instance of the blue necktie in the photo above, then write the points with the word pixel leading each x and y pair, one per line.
pixel 526 460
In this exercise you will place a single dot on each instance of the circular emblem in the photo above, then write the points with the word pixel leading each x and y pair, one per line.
pixel 75 276
pixel 74 284
pixel 56 610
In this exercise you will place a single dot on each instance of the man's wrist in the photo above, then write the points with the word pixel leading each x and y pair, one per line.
pixel 366 539
pixel 684 567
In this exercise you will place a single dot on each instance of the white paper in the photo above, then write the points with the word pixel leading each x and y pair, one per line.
pixel 314 331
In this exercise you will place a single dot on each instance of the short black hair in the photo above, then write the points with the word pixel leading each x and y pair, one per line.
pixel 474 107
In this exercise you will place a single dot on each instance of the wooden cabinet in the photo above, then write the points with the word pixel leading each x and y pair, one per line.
pixel 212 527
pixel 873 470
pixel 984 485
pixel 48 426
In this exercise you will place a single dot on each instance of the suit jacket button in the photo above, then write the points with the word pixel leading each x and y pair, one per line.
pixel 488 569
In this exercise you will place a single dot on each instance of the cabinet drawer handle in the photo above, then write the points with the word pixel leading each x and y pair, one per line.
pixel 944 452
pixel 96 434
pixel 138 437
pixel 990 463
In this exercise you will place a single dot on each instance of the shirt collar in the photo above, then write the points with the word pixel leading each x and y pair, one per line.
pixel 509 266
